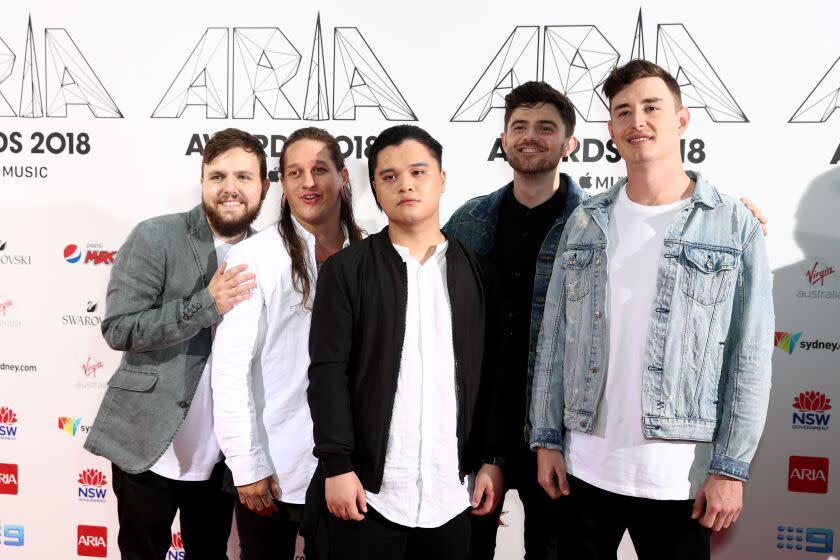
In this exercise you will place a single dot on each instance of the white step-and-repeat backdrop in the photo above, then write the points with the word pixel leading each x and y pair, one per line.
pixel 105 108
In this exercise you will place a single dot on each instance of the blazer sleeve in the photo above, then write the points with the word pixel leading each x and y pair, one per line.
pixel 135 319
pixel 330 345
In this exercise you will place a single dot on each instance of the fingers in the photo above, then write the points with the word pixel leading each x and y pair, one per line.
pixel 232 272
pixel 221 269
pixel 697 509
pixel 756 211
pixel 361 499
pixel 562 481
pixel 480 484
pixel 489 503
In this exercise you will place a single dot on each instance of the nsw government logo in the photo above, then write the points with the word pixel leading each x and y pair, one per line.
pixel 808 474
pixel 92 540
pixel 811 407
pixel 8 423
pixel 176 549
pixel 92 486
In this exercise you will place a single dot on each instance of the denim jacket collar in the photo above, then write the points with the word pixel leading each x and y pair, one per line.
pixel 488 209
pixel 704 193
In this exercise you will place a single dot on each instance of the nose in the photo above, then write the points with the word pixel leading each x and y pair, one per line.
pixel 638 119
pixel 407 184
pixel 308 179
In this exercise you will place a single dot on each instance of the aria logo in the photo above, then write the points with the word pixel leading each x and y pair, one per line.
pixel 176 549
pixel 88 319
pixel 811 407
pixel 68 79
pixel 8 421
pixel 808 474
pixel 92 486
pixel 13 260
pixel 94 254
pixel 92 540
pixel 8 478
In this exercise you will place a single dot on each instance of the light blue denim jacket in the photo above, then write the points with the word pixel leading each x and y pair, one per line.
pixel 706 375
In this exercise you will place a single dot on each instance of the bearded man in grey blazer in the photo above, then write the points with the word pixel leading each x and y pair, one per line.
pixel 168 289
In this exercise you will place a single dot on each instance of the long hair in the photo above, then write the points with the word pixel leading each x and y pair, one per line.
pixel 294 244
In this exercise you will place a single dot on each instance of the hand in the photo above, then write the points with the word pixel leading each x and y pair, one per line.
pixel 229 288
pixel 346 497
pixel 488 489
pixel 551 472
pixel 756 211
pixel 723 498
pixel 259 496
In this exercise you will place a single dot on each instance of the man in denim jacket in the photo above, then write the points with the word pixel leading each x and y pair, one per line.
pixel 652 373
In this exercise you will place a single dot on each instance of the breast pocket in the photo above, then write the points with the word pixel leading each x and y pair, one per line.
pixel 577 272
pixel 708 273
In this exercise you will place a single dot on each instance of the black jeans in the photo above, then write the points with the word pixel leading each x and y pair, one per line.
pixel 544 517
pixel 146 506
pixel 261 538
pixel 376 538
pixel 659 529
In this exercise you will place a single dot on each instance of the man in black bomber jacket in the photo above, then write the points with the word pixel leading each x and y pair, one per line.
pixel 403 386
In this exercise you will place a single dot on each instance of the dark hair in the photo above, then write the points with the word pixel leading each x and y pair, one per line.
pixel 623 76
pixel 230 138
pixel 395 136
pixel 294 244
pixel 531 94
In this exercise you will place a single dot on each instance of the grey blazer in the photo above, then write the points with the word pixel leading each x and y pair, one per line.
pixel 159 313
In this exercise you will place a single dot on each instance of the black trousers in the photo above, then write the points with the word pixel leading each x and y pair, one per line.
pixel 376 538
pixel 146 506
pixel 660 529
pixel 544 517
pixel 261 538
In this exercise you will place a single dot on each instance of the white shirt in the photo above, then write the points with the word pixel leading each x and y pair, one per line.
pixel 260 371
pixel 195 451
pixel 420 484
pixel 617 457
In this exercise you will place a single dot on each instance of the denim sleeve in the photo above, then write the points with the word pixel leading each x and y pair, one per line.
pixel 547 400
pixel 134 320
pixel 747 363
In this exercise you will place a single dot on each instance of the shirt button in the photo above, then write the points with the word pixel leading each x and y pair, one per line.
pixel 597 314
pixel 516 275
pixel 510 315
pixel 598 262
pixel 593 370
pixel 583 423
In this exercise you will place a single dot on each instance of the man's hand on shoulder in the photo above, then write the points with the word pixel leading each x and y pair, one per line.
pixel 227 288
pixel 346 497
pixel 723 498
pixel 259 496
pixel 756 211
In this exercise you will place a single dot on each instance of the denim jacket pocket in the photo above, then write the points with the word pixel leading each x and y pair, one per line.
pixel 576 264
pixel 708 273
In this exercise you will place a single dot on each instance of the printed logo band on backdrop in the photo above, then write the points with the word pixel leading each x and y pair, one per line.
pixel 64 108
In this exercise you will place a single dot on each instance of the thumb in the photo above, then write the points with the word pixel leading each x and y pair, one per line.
pixel 480 484
pixel 274 488
pixel 361 499
pixel 699 502
pixel 562 482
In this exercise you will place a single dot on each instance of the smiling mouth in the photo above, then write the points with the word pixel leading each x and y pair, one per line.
pixel 310 197
pixel 640 139
pixel 231 203
pixel 530 150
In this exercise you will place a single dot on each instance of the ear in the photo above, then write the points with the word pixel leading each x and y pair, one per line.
pixel 683 116
pixel 442 181
pixel 265 186
pixel 345 176
pixel 504 141
pixel 610 128
pixel 571 144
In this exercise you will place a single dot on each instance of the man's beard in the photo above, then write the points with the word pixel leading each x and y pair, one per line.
pixel 230 228
pixel 534 166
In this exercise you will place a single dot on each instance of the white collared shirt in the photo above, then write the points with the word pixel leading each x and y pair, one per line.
pixel 194 451
pixel 260 371
pixel 420 485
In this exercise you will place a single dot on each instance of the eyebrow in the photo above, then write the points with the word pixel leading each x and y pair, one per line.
pixel 644 102
pixel 543 121
pixel 391 169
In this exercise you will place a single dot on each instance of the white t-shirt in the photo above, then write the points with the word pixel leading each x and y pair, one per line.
pixel 195 451
pixel 617 457
pixel 420 484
